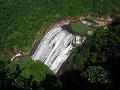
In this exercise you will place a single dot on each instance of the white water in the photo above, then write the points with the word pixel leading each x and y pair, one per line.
pixel 55 48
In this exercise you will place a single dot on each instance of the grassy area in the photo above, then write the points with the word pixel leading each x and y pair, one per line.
pixel 29 67
pixel 81 28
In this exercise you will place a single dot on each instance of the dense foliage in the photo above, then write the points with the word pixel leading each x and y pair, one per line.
pixel 89 67
pixel 96 74
pixel 92 66
pixel 22 20
pixel 102 49
pixel 29 67
pixel 22 74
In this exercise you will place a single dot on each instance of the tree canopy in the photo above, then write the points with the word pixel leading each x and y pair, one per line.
pixel 24 19
pixel 90 67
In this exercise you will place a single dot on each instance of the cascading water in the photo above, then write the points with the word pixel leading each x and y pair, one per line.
pixel 55 47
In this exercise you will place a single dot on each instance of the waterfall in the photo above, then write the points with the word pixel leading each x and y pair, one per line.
pixel 55 48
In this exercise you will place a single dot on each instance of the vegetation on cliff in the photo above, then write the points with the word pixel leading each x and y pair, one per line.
pixel 21 20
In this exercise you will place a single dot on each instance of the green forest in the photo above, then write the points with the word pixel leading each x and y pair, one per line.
pixel 94 65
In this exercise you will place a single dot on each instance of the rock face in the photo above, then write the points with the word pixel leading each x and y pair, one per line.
pixel 55 47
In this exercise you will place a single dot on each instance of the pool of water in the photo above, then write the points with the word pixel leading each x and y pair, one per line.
pixel 81 28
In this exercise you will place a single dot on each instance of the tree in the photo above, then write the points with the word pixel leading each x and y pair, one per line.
pixel 96 74
pixel 51 82
pixel 22 74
